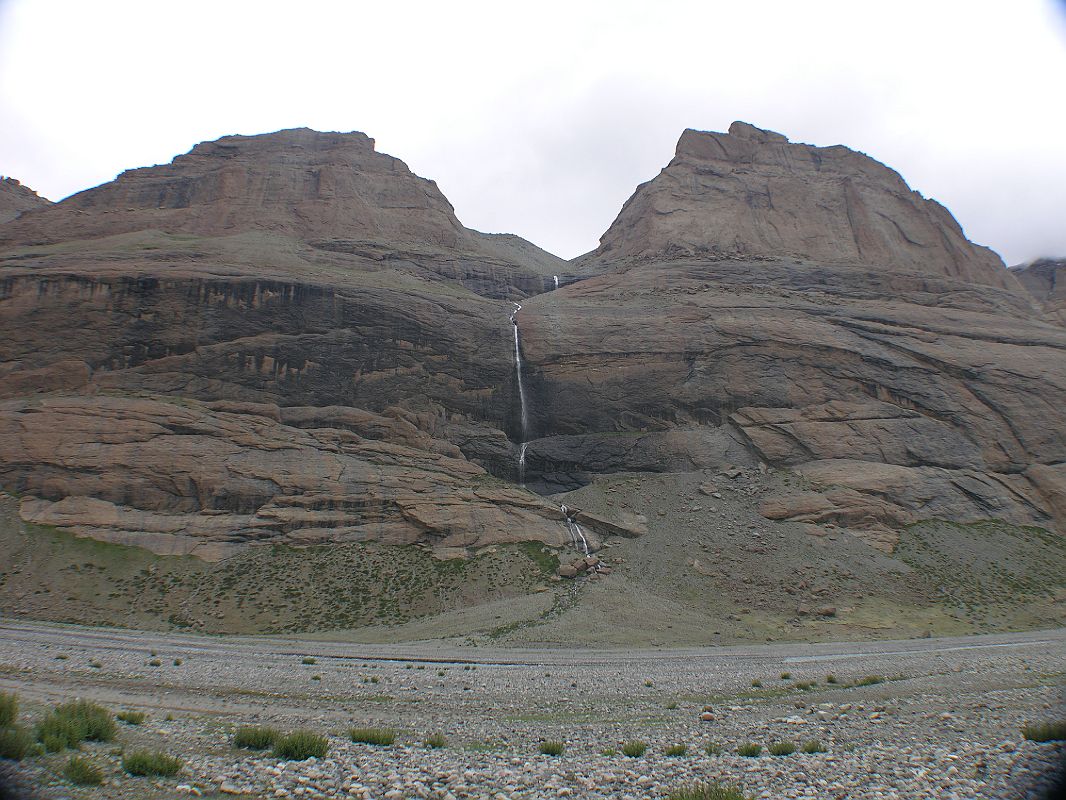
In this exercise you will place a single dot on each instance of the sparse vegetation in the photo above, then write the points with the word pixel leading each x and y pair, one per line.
pixel 756 684
pixel 15 743
pixel 749 750
pixel 713 749
pixel 9 709
pixel 813 746
pixel 299 745
pixel 177 662
pixel 70 724
pixel 676 750
pixel 255 737
pixel 130 717
pixel 648 683
pixel 155 662
pixel 83 772
pixel 707 791
pixel 870 680
pixel 830 678
pixel 785 748
pixel 634 748
pixel 786 675
pixel 552 748
pixel 804 685
pixel 436 741
pixel 309 660
pixel 379 737
pixel 671 706
pixel 1045 732
pixel 144 763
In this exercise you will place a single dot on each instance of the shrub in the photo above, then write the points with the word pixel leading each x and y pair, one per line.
pixel 803 685
pixel 145 762
pixel 308 660
pixel 298 745
pixel 786 675
pixel 676 750
pixel 255 737
pixel 316 677
pixel 813 746
pixel 634 748
pixel 177 662
pixel 830 678
pixel 707 791
pixel 9 709
pixel 436 741
pixel 749 750
pixel 782 749
pixel 648 683
pixel 756 684
pixel 870 680
pixel 552 748
pixel 379 737
pixel 1045 732
pixel 155 662
pixel 15 743
pixel 71 723
pixel 713 749
pixel 81 771
pixel 671 705
pixel 130 717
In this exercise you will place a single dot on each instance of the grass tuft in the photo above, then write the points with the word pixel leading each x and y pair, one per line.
pixel 255 737
pixel 749 750
pixel 15 743
pixel 552 748
pixel 379 737
pixel 309 660
pixel 813 746
pixel 1045 732
pixel 634 748
pixel 436 741
pixel 707 791
pixel 130 717
pixel 782 749
pixel 870 680
pixel 83 772
pixel 756 684
pixel 300 745
pixel 9 709
pixel 70 724
pixel 786 675
pixel 676 750
pixel 713 749
pixel 151 762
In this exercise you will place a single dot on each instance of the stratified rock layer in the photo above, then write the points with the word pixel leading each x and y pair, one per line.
pixel 15 199
pixel 1045 280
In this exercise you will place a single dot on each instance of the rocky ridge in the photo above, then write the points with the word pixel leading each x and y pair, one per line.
pixel 309 319
pixel 1045 280
pixel 15 199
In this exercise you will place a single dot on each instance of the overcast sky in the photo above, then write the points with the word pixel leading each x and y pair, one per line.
pixel 541 118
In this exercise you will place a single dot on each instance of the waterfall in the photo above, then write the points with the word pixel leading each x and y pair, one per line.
pixel 521 396
pixel 577 536
pixel 556 279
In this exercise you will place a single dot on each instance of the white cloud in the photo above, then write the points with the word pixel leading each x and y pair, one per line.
pixel 540 119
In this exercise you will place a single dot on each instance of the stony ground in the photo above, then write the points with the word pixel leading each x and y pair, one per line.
pixel 945 723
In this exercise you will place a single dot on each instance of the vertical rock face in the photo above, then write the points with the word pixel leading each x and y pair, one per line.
pixel 16 199
pixel 751 192
pixel 1045 280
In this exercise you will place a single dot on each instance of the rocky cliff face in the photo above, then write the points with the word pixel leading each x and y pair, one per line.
pixel 16 198
pixel 752 193
pixel 1045 280
pixel 291 338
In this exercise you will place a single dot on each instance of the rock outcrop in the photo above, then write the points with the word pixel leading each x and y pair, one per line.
pixel 1045 280
pixel 15 199
pixel 751 192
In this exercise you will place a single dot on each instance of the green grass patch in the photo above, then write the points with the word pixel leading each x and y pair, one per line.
pixel 130 717
pixel 676 750
pixel 70 724
pixel 379 737
pixel 551 748
pixel 781 748
pixel 1045 732
pixel 146 763
pixel 255 737
pixel 707 791
pixel 309 660
pixel 15 743
pixel 83 772
pixel 9 709
pixel 749 750
pixel 299 745
pixel 813 746
pixel 436 741
pixel 634 748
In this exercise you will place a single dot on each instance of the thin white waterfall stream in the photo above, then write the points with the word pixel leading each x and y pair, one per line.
pixel 556 279
pixel 521 396
pixel 577 536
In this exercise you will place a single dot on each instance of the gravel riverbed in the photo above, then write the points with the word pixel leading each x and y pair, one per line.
pixel 940 718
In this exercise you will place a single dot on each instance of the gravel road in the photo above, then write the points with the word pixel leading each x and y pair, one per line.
pixel 945 721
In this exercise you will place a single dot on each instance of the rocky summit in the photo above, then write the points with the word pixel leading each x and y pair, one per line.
pixel 16 199
pixel 291 339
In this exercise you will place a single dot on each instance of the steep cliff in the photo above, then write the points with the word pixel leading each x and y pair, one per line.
pixel 16 199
